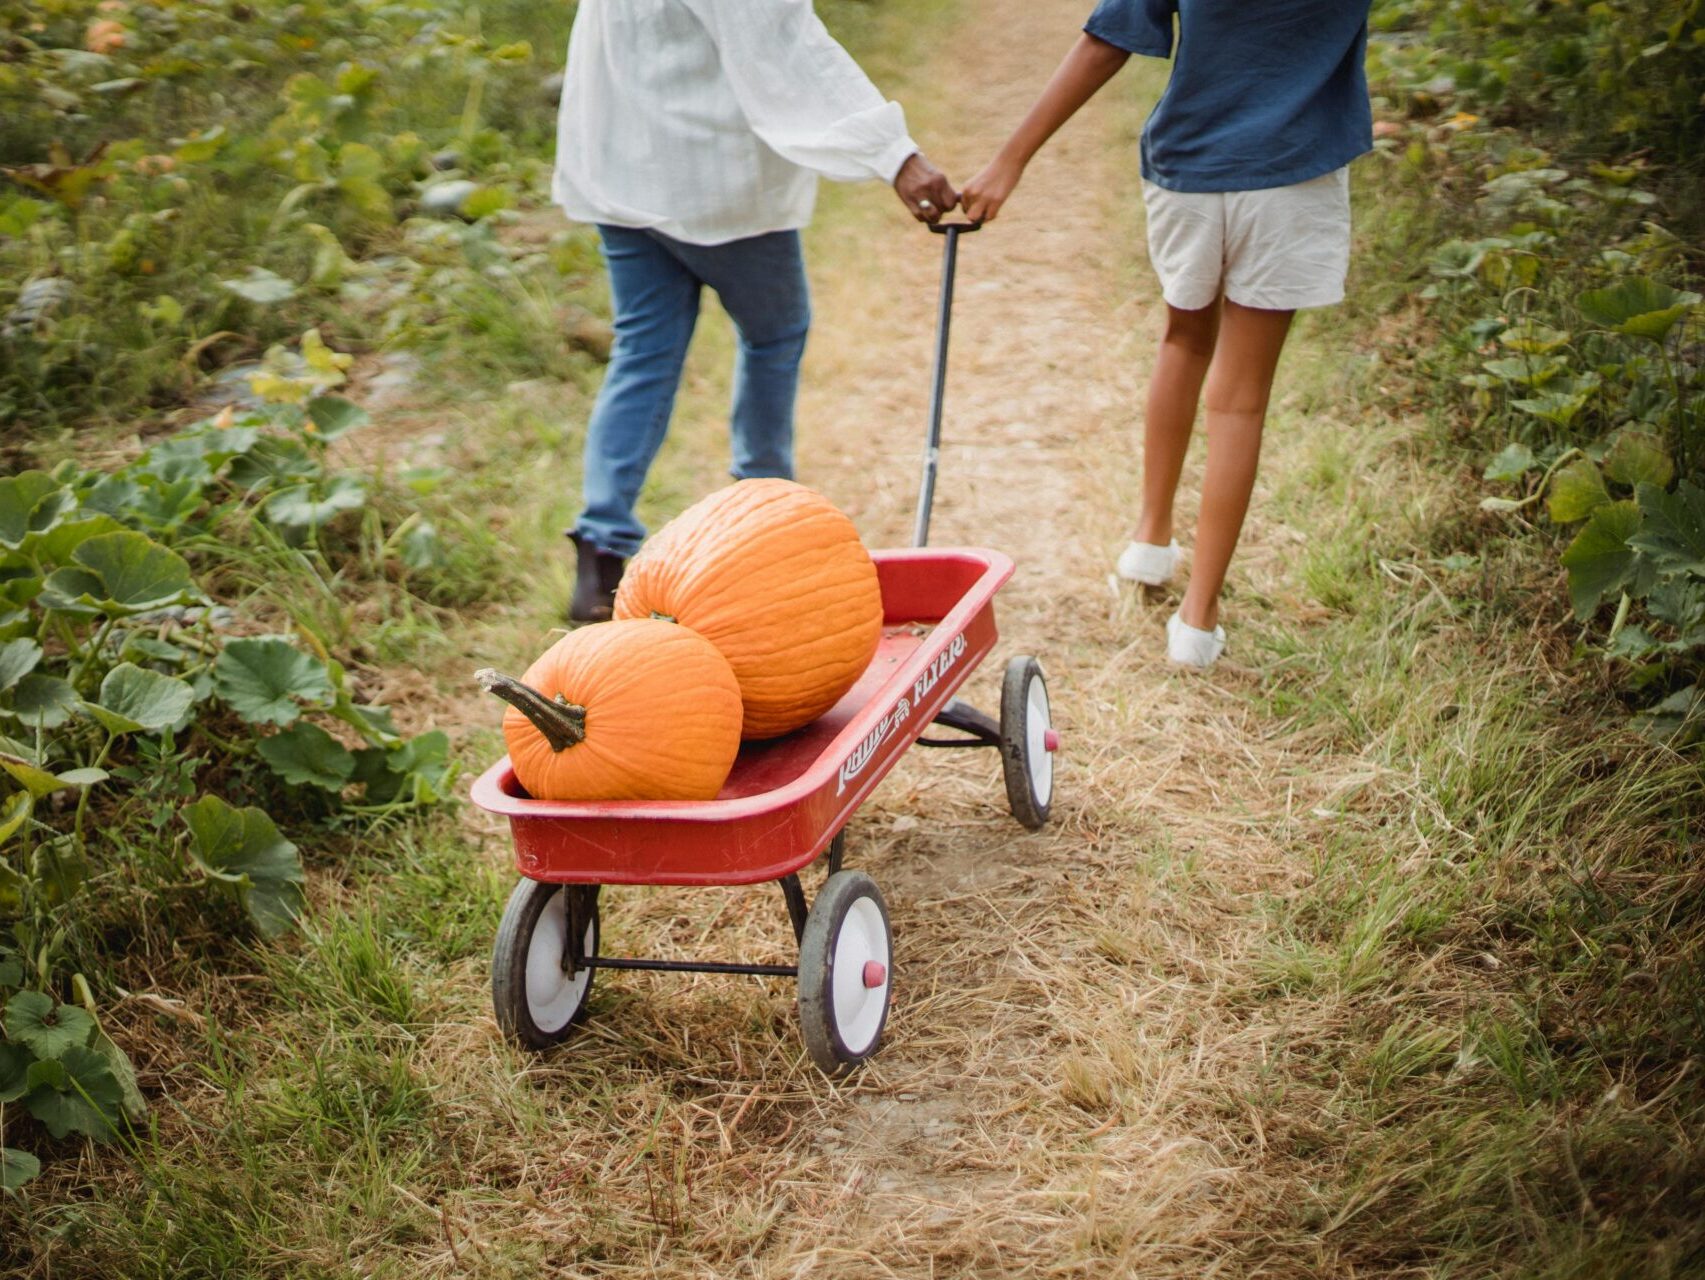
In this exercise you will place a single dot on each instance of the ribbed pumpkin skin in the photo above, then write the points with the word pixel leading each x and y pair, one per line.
pixel 776 578
pixel 662 716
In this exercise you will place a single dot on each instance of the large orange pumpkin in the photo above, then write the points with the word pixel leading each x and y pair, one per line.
pixel 776 578
pixel 623 711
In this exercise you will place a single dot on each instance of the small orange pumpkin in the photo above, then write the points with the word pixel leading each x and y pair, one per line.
pixel 622 711
pixel 776 578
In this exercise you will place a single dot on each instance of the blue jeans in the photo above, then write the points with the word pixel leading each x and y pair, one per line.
pixel 655 286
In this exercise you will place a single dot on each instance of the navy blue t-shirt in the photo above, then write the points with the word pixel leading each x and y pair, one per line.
pixel 1264 93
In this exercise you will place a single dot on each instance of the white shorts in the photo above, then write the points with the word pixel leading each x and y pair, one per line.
pixel 1279 250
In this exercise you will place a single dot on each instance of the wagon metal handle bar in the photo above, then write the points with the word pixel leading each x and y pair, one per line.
pixel 938 385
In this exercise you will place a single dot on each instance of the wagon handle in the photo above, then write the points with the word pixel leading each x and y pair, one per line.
pixel 938 387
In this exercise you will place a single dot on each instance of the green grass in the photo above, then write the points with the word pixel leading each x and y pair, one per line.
pixel 1502 937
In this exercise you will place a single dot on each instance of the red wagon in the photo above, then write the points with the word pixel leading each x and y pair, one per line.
pixel 784 805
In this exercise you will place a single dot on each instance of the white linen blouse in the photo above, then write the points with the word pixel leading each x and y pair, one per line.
pixel 710 120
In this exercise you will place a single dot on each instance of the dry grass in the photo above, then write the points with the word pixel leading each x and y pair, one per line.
pixel 1369 955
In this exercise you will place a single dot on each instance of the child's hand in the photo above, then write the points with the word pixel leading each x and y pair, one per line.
pixel 984 195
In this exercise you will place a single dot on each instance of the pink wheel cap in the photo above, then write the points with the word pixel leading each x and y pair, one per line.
pixel 875 974
pixel 1051 740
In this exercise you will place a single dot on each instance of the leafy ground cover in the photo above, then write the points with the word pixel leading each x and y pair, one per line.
pixel 156 729
pixel 188 183
pixel 187 612
pixel 1559 155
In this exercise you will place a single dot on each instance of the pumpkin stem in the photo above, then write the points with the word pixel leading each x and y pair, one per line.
pixel 562 723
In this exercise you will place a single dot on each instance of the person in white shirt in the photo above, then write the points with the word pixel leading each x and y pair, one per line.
pixel 692 134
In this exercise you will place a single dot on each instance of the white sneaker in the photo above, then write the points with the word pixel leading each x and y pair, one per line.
pixel 1148 564
pixel 1191 646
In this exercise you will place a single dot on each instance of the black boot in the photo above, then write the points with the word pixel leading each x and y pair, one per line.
pixel 597 575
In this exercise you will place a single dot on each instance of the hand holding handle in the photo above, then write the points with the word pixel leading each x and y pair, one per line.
pixel 925 190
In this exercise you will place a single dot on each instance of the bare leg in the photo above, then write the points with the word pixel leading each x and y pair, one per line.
pixel 1174 390
pixel 1238 388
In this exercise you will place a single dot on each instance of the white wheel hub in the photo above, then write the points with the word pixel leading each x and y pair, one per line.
pixel 1039 741
pixel 553 997
pixel 861 974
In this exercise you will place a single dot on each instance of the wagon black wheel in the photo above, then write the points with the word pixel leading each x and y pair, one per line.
pixel 537 989
pixel 1028 742
pixel 846 971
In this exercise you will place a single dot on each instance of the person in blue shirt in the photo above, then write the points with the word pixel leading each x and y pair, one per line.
pixel 1247 193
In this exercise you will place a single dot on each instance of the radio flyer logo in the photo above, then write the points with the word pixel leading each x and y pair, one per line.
pixel 900 712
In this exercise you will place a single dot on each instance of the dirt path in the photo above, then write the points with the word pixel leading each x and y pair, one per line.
pixel 1046 1105
pixel 1074 1078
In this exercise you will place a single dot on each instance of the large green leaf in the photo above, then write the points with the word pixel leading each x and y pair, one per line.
pixel 1672 528
pixel 76 1093
pixel 17 659
pixel 58 544
pixel 1678 601
pixel 118 1062
pixel 264 678
pixel 1639 307
pixel 311 505
pixel 373 722
pixel 15 595
pixel 428 754
pixel 421 548
pixel 14 1071
pixel 31 502
pixel 17 1168
pixel 333 416
pixel 1513 463
pixel 360 168
pixel 1576 492
pixel 1600 560
pixel 135 700
pixel 1559 408
pixel 416 772
pixel 1527 373
pixel 72 589
pixel 147 648
pixel 274 461
pixel 44 1028
pixel 42 701
pixel 308 756
pixel 261 286
pixel 1678 719
pixel 1638 457
pixel 121 573
pixel 242 848
pixel 163 505
pixel 197 454
pixel 1533 338
pixel 138 572
pixel 113 495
